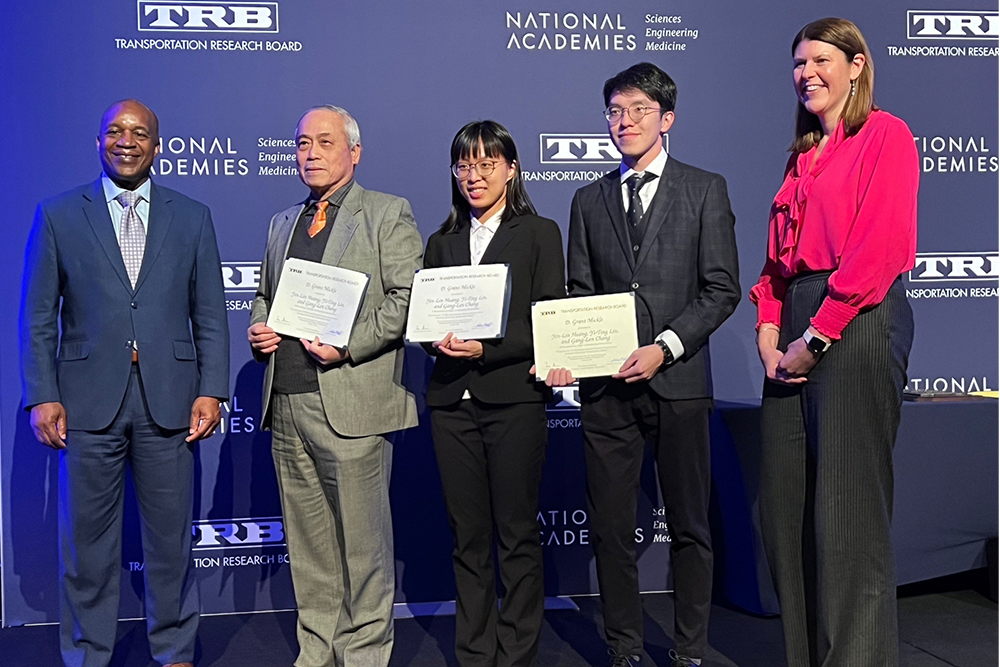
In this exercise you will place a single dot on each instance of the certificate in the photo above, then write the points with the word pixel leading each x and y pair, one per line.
pixel 468 301
pixel 592 336
pixel 315 299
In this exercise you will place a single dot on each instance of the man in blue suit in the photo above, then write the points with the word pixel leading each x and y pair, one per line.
pixel 129 272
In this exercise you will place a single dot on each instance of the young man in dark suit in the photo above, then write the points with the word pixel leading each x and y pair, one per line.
pixel 663 230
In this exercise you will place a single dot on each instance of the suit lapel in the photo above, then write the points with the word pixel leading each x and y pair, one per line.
pixel 611 189
pixel 505 232
pixel 344 225
pixel 161 215
pixel 659 209
pixel 457 244
pixel 281 243
pixel 96 209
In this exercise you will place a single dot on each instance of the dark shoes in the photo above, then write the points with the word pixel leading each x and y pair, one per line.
pixel 682 660
pixel 622 660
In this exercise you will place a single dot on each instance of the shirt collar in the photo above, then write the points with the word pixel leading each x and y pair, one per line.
pixel 656 167
pixel 492 223
pixel 337 198
pixel 111 189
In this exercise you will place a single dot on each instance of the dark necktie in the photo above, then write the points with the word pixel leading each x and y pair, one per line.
pixel 635 183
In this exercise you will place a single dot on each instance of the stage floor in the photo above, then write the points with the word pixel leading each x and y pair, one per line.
pixel 945 622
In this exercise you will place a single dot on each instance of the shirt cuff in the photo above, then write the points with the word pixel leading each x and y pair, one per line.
pixel 832 317
pixel 673 343
pixel 768 312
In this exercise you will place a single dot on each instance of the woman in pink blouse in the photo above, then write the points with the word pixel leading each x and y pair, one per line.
pixel 834 331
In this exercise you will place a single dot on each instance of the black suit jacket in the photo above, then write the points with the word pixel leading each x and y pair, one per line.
pixel 685 276
pixel 532 246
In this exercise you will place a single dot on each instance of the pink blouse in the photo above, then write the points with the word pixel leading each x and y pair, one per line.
pixel 854 213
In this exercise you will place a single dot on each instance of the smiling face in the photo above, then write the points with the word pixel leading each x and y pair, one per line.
pixel 128 143
pixel 486 194
pixel 324 156
pixel 822 76
pixel 638 141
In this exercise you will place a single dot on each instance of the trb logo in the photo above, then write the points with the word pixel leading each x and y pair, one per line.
pixel 238 533
pixel 581 149
pixel 240 276
pixel 578 149
pixel 200 16
pixel 952 25
pixel 956 266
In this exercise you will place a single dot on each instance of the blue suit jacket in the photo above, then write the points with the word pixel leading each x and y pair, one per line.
pixel 176 313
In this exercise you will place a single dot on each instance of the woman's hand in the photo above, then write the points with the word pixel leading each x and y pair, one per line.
pixel 771 356
pixel 458 348
pixel 797 361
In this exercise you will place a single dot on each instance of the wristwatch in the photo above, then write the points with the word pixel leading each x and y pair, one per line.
pixel 815 344
pixel 668 356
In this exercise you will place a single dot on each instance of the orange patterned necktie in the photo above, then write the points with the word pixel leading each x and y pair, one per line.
pixel 319 220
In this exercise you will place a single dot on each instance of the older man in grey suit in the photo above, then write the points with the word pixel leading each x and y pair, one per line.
pixel 330 408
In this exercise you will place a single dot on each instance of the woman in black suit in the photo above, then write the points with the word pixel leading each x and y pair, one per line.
pixel 487 412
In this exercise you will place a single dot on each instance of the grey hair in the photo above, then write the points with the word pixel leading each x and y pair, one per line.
pixel 351 128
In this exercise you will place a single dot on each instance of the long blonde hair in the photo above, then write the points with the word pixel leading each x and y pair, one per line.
pixel 848 38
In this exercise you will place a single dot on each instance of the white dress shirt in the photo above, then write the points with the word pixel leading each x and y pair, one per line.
pixel 481 233
pixel 115 210
pixel 646 194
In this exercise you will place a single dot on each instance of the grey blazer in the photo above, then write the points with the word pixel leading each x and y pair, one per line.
pixel 685 277
pixel 373 233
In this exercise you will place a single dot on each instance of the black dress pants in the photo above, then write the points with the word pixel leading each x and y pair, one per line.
pixel 827 484
pixel 490 458
pixel 616 426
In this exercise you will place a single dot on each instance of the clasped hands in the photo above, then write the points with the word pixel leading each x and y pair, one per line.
pixel 641 366
pixel 265 340
pixel 456 348
pixel 790 367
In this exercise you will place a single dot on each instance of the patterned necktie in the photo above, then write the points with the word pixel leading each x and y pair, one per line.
pixel 635 183
pixel 133 234
pixel 319 220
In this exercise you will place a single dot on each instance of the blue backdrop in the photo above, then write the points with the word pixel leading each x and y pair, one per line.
pixel 229 81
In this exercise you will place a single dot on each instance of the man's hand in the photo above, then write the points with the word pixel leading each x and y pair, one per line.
pixel 557 377
pixel 263 338
pixel 48 421
pixel 641 365
pixel 323 353
pixel 205 418
pixel 457 348
pixel 797 361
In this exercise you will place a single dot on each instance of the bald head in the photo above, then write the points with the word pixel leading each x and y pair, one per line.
pixel 135 107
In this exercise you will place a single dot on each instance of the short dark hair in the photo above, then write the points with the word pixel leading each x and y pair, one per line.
pixel 498 144
pixel 649 80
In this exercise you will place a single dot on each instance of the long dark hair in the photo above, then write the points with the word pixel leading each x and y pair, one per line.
pixel 497 143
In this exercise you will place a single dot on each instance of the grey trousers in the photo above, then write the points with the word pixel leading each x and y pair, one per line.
pixel 827 484
pixel 335 501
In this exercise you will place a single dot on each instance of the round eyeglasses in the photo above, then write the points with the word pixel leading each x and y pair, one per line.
pixel 636 112
pixel 483 168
